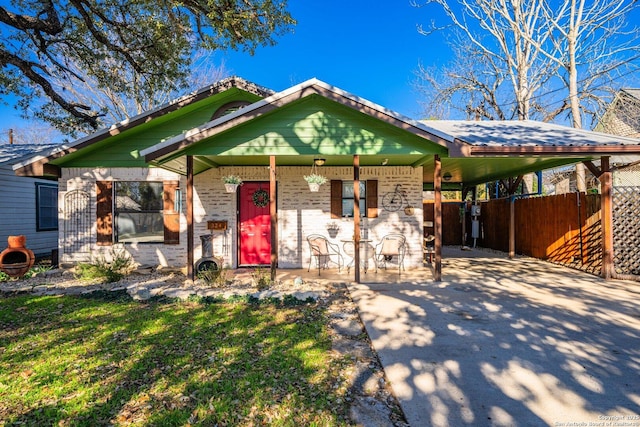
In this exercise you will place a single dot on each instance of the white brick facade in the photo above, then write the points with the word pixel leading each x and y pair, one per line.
pixel 300 212
pixel 143 253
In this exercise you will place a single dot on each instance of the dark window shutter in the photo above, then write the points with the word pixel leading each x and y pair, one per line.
pixel 336 198
pixel 171 216
pixel 372 198
pixel 104 213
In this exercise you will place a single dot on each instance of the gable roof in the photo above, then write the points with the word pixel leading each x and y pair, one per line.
pixel 635 93
pixel 622 116
pixel 174 146
pixel 313 118
pixel 35 166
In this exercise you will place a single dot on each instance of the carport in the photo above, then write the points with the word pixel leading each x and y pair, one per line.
pixel 482 151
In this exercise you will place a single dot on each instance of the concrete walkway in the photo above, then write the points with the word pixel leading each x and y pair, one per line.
pixel 504 342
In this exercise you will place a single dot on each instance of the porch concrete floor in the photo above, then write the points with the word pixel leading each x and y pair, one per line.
pixel 503 342
pixel 389 275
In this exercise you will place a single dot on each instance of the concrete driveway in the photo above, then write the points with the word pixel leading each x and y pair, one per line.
pixel 504 342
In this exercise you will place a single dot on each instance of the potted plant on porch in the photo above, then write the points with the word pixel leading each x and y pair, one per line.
pixel 315 181
pixel 231 183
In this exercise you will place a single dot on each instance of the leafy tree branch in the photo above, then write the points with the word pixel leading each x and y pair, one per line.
pixel 50 47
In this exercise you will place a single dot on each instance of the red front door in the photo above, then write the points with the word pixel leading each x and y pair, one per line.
pixel 255 224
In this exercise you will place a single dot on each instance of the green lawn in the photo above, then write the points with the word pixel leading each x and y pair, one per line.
pixel 104 359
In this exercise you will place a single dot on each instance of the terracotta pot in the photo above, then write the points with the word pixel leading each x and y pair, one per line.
pixel 16 270
pixel 16 261
pixel 17 242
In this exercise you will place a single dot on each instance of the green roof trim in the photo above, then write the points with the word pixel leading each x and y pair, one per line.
pixel 123 149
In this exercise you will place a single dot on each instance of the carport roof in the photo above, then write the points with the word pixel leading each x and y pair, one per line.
pixel 498 149
pixel 529 137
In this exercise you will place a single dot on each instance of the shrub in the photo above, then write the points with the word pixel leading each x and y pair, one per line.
pixel 101 270
pixel 261 278
pixel 232 179
pixel 35 270
pixel 216 278
pixel 314 178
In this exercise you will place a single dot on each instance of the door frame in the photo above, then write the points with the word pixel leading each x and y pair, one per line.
pixel 238 236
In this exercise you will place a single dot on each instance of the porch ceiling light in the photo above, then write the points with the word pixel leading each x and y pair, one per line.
pixel 447 176
pixel 318 161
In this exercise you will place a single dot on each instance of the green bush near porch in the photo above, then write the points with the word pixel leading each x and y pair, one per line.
pixel 104 359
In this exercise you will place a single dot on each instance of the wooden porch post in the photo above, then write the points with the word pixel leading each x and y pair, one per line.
pixel 273 216
pixel 512 188
pixel 190 272
pixel 606 208
pixel 512 226
pixel 356 216
pixel 437 217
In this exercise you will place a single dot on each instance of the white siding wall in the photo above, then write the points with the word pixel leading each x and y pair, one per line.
pixel 18 212
pixel 300 212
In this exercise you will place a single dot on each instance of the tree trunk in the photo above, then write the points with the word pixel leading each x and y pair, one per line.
pixel 574 101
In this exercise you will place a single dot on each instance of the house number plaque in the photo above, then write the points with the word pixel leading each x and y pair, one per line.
pixel 217 225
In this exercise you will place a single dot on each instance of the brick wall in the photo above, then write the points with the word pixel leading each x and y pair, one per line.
pixel 300 212
pixel 146 254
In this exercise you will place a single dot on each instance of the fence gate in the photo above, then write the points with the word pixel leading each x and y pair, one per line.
pixel 626 223
pixel 77 224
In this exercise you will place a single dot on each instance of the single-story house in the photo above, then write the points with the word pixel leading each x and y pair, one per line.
pixel 29 206
pixel 154 183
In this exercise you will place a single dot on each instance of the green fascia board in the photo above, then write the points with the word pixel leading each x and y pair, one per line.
pixel 473 171
pixel 517 167
pixel 178 164
pixel 313 125
pixel 123 149
pixel 446 186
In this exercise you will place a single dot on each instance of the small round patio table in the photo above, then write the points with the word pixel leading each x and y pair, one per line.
pixel 367 252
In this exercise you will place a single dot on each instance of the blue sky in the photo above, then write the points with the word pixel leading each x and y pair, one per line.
pixel 369 48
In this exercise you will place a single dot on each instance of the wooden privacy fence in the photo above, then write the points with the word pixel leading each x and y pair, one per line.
pixel 451 222
pixel 564 229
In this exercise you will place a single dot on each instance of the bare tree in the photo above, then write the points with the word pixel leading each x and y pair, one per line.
pixel 478 92
pixel 34 133
pixel 562 57
pixel 503 35
pixel 138 97
pixel 590 43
